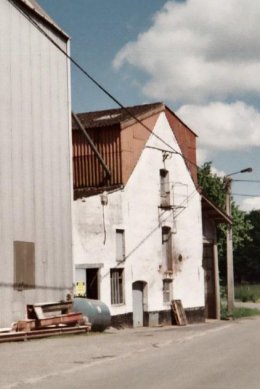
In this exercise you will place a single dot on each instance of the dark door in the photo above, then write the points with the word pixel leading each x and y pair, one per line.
pixel 92 284
pixel 209 276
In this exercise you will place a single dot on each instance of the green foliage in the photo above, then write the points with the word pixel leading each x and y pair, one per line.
pixel 247 292
pixel 247 258
pixel 238 313
pixel 213 187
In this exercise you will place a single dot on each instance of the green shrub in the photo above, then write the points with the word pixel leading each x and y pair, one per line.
pixel 238 313
pixel 247 292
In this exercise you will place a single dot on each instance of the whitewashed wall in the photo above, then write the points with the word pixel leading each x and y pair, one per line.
pixel 135 208
pixel 35 168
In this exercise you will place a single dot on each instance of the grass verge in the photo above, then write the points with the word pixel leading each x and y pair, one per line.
pixel 247 292
pixel 238 312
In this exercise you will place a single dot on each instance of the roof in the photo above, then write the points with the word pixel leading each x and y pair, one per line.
pixel 40 12
pixel 110 117
pixel 214 212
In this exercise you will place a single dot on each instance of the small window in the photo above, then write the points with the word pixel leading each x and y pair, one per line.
pixel 24 265
pixel 164 188
pixel 167 248
pixel 120 245
pixel 116 282
pixel 167 291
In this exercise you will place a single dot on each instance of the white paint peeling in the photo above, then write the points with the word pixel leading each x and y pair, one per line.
pixel 135 209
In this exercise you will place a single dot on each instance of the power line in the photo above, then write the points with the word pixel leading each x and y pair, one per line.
pixel 246 180
pixel 246 195
pixel 104 90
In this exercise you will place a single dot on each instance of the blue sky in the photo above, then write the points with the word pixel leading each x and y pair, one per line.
pixel 200 57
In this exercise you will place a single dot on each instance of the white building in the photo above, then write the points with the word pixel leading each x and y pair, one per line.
pixel 138 234
pixel 35 155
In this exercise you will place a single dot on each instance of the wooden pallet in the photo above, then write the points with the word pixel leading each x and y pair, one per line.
pixel 48 314
pixel 179 313
pixel 43 333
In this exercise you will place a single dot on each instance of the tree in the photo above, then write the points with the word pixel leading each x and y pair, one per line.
pixel 247 258
pixel 213 187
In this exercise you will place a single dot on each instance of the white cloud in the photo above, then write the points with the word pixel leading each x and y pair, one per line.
pixel 198 50
pixel 250 204
pixel 219 173
pixel 203 155
pixel 223 126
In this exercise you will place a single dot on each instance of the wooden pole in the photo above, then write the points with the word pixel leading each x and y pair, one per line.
pixel 229 243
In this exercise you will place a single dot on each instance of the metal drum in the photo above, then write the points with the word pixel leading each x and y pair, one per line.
pixel 98 313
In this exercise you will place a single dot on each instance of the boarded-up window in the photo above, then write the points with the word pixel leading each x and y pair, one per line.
pixel 24 265
pixel 120 245
pixel 167 291
pixel 167 248
pixel 164 188
pixel 116 283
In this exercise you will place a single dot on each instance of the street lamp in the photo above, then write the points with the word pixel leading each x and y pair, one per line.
pixel 229 241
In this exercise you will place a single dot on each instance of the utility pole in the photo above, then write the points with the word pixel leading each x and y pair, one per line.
pixel 229 242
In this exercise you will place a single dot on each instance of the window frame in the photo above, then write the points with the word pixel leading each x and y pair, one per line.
pixel 165 192
pixel 117 292
pixel 120 248
pixel 167 249
pixel 167 293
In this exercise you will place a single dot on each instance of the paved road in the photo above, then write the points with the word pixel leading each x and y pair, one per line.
pixel 217 355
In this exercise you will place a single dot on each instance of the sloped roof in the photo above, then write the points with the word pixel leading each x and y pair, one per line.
pixel 39 11
pixel 213 212
pixel 109 117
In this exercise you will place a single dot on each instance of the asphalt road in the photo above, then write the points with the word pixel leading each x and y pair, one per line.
pixel 216 355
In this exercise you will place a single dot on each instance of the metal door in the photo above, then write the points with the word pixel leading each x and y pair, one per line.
pixel 138 305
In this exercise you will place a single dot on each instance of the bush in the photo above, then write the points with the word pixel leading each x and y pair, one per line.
pixel 247 293
pixel 238 313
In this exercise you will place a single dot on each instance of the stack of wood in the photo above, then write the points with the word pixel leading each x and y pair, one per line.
pixel 47 319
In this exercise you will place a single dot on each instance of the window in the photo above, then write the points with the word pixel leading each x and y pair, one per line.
pixel 24 265
pixel 116 283
pixel 167 248
pixel 167 291
pixel 120 245
pixel 164 188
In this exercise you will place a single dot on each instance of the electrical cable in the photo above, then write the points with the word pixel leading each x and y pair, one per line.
pixel 245 195
pixel 246 180
pixel 86 73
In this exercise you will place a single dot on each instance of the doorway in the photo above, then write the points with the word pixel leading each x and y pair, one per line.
pixel 138 303
pixel 209 277
pixel 87 283
pixel 92 284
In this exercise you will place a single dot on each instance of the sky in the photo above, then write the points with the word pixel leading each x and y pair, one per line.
pixel 200 57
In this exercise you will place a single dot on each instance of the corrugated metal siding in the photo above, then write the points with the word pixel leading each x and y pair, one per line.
pixel 35 182
pixel 87 171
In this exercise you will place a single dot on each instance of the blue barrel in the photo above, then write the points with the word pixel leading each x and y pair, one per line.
pixel 98 313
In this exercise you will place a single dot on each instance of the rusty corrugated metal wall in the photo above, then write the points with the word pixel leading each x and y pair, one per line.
pixel 87 171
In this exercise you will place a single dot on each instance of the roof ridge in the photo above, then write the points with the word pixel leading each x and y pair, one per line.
pixel 121 109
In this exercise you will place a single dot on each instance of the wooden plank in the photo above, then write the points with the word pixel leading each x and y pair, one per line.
pixel 70 318
pixel 38 312
pixel 179 313
pixel 21 336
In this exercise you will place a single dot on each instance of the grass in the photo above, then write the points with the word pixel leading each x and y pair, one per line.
pixel 247 292
pixel 238 313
